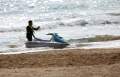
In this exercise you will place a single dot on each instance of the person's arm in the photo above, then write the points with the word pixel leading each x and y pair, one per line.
pixel 36 28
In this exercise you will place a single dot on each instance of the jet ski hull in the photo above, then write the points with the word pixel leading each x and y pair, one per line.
pixel 34 44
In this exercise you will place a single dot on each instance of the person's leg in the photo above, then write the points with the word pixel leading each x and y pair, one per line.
pixel 29 38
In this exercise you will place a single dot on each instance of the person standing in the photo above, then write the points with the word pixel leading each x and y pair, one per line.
pixel 30 30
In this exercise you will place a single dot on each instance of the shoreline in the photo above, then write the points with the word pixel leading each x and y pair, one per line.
pixel 57 50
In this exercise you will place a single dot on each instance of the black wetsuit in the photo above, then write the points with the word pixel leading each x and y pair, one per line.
pixel 29 33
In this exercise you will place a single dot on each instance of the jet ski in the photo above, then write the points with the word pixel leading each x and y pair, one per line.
pixel 55 42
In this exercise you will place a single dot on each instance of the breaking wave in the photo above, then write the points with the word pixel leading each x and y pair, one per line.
pixel 69 23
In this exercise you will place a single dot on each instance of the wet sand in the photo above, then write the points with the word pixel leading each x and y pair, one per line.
pixel 62 63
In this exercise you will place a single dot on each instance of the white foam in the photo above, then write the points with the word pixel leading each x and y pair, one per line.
pixel 107 44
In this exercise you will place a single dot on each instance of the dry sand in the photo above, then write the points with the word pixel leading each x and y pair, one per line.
pixel 62 63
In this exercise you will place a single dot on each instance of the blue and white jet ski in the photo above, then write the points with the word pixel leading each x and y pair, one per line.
pixel 55 42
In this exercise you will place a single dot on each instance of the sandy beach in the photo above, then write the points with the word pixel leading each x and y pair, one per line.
pixel 62 63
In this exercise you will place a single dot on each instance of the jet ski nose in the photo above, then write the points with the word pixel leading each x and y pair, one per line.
pixel 67 44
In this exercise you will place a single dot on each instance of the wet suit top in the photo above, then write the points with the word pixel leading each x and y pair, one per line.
pixel 30 31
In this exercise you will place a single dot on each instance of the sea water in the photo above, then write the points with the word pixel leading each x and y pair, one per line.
pixel 72 19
